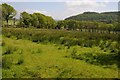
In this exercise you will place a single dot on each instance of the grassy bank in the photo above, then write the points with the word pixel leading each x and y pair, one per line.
pixel 23 58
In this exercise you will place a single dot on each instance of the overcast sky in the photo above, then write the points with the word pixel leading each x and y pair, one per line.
pixel 60 9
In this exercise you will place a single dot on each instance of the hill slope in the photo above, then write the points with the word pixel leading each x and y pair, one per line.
pixel 107 17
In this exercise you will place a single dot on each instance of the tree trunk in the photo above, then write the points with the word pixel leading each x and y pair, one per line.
pixel 7 22
pixel 14 22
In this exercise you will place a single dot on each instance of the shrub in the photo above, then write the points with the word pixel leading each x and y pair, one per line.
pixel 67 38
pixel 73 53
pixel 6 62
pixel 39 50
pixel 7 50
pixel 20 61
pixel 96 58
pixel 3 43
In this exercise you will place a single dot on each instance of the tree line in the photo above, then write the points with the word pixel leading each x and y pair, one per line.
pixel 88 26
pixel 38 20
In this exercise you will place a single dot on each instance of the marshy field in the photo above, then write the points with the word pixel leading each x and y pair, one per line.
pixel 57 56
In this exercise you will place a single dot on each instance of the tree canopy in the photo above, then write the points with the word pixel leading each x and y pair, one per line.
pixel 37 20
pixel 8 12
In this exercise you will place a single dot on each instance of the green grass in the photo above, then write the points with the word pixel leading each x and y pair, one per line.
pixel 28 59
pixel 0 57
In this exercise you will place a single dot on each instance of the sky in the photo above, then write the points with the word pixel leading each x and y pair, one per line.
pixel 61 9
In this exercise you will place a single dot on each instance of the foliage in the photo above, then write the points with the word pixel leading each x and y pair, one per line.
pixel 60 36
pixel 88 26
pixel 6 62
pixel 25 19
pixel 36 20
pixel 20 61
pixel 8 12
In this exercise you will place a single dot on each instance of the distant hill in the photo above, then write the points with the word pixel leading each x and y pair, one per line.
pixel 107 17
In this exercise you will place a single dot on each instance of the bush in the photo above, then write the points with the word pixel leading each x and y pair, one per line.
pixel 7 50
pixel 39 51
pixel 6 62
pixel 96 58
pixel 64 37
pixel 73 53
pixel 3 43
pixel 20 61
